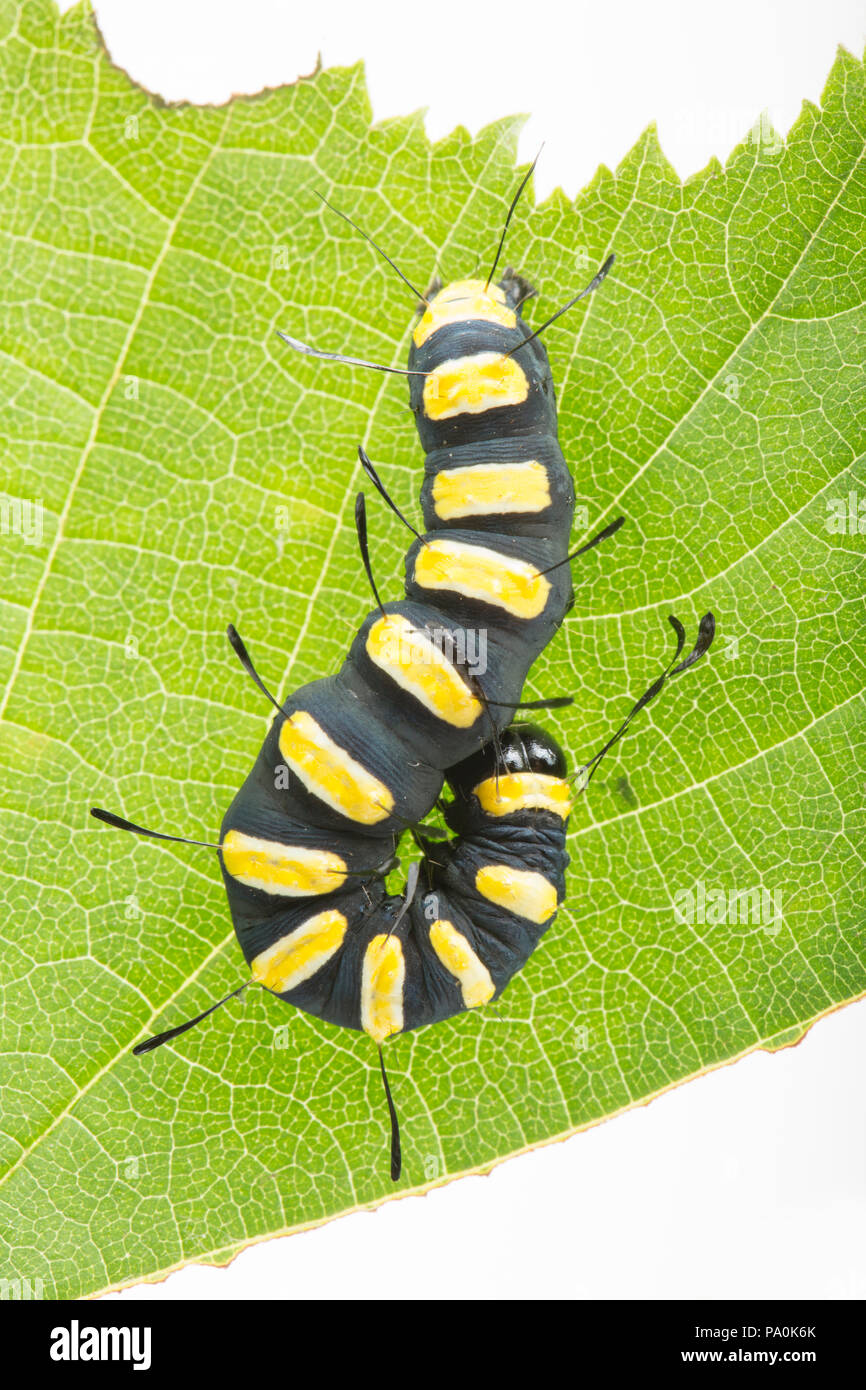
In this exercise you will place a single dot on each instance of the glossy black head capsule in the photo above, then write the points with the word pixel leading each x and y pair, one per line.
pixel 522 748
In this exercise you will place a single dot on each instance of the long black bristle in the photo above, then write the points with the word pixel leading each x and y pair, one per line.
pixel 361 528
pixel 375 246
pixel 383 492
pixel 396 1152
pixel 604 534
pixel 587 289
pixel 706 633
pixel 109 818
pixel 239 648
pixel 514 201
pixel 159 1038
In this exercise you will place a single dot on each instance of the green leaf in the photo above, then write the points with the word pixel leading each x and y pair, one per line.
pixel 713 391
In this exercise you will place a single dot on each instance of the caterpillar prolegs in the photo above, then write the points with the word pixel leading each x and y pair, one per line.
pixel 353 761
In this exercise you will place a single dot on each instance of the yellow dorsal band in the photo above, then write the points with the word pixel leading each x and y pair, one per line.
pixel 524 791
pixel 294 958
pixel 521 891
pixel 460 960
pixel 418 666
pixel 464 301
pixel 471 385
pixel 331 774
pixel 382 980
pixel 483 574
pixel 292 871
pixel 491 489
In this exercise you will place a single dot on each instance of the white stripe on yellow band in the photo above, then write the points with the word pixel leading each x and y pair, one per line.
pixel 419 667
pixel 463 301
pixel 479 573
pixel 460 960
pixel 293 871
pixel 524 791
pixel 294 958
pixel 521 891
pixel 491 489
pixel 471 385
pixel 329 772
pixel 382 979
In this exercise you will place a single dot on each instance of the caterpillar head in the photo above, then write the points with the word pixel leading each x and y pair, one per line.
pixel 523 748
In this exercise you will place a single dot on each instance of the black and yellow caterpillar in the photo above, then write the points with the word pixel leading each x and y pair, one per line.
pixel 354 760
pixel 365 751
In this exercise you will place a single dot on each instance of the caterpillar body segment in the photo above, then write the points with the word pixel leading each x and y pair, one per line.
pixel 368 960
pixel 495 583
pixel 471 379
pixel 517 485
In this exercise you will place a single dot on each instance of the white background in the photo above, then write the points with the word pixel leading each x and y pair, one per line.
pixel 752 1181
